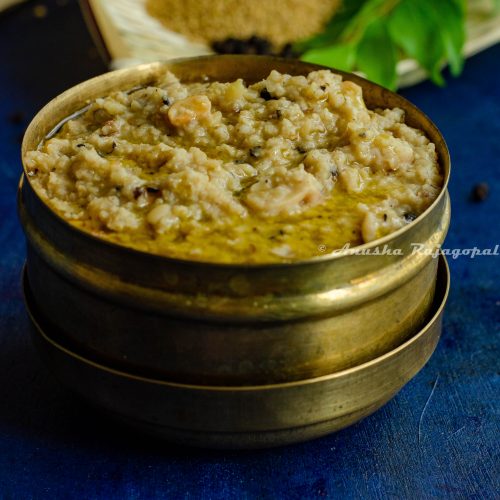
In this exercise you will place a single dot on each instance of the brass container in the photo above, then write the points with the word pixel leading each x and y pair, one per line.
pixel 219 324
pixel 245 416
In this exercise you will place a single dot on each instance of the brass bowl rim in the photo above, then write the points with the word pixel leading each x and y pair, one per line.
pixel 335 254
pixel 442 268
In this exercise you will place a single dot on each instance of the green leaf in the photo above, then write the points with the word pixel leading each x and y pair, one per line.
pixel 369 12
pixel 431 32
pixel 349 23
pixel 336 56
pixel 334 28
pixel 462 5
pixel 369 34
pixel 410 28
pixel 377 55
pixel 450 16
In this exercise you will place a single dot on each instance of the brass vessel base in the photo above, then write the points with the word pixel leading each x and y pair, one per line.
pixel 257 416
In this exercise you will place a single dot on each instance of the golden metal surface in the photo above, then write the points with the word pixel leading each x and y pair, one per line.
pixel 208 323
pixel 244 417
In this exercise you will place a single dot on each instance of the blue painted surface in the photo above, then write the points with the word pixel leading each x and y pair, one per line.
pixel 53 446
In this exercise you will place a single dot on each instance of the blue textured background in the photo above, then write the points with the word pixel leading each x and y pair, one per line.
pixel 52 446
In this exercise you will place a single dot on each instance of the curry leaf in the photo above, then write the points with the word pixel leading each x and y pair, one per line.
pixel 449 15
pixel 337 56
pixel 462 5
pixel 367 14
pixel 377 56
pixel 429 31
pixel 410 28
pixel 334 28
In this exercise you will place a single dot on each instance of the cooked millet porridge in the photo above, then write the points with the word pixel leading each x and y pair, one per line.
pixel 287 168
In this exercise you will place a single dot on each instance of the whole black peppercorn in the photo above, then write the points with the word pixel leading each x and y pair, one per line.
pixel 480 192
pixel 16 118
pixel 255 152
pixel 239 46
pixel 261 45
pixel 410 217
pixel 252 45
pixel 266 95
pixel 287 51
pixel 139 191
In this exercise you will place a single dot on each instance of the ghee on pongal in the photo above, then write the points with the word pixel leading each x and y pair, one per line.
pixel 285 169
